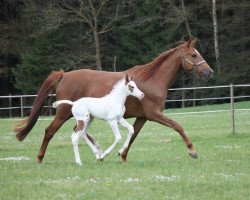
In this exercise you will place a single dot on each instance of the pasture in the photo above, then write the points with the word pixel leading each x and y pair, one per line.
pixel 158 166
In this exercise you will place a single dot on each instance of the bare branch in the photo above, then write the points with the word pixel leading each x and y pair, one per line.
pixel 100 8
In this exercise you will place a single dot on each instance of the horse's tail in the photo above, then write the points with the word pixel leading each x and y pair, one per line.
pixel 57 103
pixel 48 85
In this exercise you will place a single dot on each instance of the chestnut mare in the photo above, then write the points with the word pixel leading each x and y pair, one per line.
pixel 153 79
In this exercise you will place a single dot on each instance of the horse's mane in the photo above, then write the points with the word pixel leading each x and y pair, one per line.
pixel 146 70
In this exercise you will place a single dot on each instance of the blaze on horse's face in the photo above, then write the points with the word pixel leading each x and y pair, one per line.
pixel 193 61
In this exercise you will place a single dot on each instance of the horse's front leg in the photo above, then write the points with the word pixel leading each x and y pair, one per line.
pixel 114 126
pixel 160 118
pixel 130 129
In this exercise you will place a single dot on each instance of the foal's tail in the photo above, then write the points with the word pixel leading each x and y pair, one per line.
pixel 57 103
pixel 48 85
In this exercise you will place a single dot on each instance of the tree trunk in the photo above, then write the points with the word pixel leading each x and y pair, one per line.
pixel 185 18
pixel 216 44
pixel 97 50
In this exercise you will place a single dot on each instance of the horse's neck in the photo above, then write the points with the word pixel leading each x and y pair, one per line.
pixel 168 70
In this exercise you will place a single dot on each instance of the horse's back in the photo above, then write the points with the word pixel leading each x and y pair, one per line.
pixel 86 83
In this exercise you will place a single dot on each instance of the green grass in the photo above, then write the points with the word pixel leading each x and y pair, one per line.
pixel 158 164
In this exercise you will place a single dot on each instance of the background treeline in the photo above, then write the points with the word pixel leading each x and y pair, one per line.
pixel 37 37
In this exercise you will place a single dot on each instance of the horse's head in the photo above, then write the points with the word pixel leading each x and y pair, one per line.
pixel 192 60
pixel 132 89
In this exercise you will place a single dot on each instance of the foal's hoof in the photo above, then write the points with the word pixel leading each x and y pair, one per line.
pixel 79 163
pixel 193 154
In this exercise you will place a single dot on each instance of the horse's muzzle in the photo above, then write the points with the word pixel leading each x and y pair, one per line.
pixel 208 73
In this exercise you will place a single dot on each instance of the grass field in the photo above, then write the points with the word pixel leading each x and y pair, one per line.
pixel 158 166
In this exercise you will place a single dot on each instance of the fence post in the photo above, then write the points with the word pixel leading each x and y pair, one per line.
pixel 194 96
pixel 21 100
pixel 10 106
pixel 183 99
pixel 232 106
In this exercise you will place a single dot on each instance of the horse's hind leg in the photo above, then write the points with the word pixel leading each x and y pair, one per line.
pixel 49 133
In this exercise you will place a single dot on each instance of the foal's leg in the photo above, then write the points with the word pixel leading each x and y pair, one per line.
pixel 98 146
pixel 139 122
pixel 91 145
pixel 114 127
pixel 130 128
pixel 81 125
pixel 160 118
pixel 63 113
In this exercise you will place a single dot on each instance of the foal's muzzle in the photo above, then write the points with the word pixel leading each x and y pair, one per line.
pixel 141 96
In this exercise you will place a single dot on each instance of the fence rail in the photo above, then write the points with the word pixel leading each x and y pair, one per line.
pixel 231 97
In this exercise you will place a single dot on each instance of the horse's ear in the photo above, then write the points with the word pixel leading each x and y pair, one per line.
pixel 191 42
pixel 126 79
pixel 188 42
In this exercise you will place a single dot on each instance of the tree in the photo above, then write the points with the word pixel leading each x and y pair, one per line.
pixel 216 43
pixel 94 17
pixel 44 57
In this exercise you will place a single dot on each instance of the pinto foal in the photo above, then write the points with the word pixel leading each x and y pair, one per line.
pixel 110 108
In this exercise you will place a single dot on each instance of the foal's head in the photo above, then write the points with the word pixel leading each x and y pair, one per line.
pixel 192 60
pixel 132 89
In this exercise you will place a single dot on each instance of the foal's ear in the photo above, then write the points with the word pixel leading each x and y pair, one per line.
pixel 126 79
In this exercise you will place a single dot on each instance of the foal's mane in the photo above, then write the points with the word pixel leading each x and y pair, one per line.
pixel 116 86
pixel 146 70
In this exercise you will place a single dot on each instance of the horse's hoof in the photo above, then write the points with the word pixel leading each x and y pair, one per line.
pixel 123 159
pixel 193 154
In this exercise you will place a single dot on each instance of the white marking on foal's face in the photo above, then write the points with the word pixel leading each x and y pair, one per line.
pixel 134 90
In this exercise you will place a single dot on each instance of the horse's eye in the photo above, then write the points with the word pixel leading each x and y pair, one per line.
pixel 194 55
